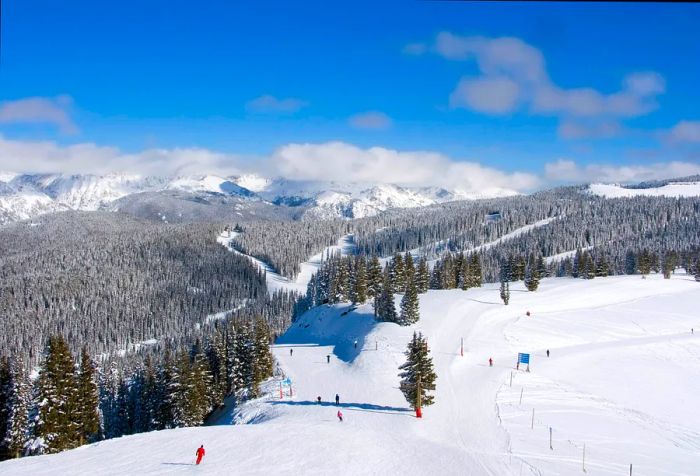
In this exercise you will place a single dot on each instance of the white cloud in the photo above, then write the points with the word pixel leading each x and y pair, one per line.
pixel 495 95
pixel 569 171
pixel 343 162
pixel 513 76
pixel 270 105
pixel 685 131
pixel 87 158
pixel 371 120
pixel 39 110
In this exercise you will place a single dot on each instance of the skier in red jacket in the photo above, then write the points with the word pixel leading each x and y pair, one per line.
pixel 340 416
pixel 200 454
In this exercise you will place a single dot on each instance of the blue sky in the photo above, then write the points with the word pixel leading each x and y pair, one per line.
pixel 592 90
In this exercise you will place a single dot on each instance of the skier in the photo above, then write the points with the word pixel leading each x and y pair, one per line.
pixel 337 399
pixel 291 351
pixel 356 344
pixel 490 362
pixel 547 352
pixel 340 416
pixel 318 399
pixel 200 454
pixel 328 359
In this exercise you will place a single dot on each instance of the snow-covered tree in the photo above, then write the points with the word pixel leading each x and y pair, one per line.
pixel 57 399
pixel 87 416
pixel 505 292
pixel 409 305
pixel 417 374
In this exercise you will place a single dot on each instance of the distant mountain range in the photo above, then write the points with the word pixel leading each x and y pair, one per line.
pixel 246 197
pixel 174 199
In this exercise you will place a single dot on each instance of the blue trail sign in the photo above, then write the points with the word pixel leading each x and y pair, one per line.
pixel 524 358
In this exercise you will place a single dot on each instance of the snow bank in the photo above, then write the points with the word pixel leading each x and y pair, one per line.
pixel 673 189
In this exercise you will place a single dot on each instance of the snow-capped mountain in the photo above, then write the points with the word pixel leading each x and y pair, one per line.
pixel 24 196
pixel 347 200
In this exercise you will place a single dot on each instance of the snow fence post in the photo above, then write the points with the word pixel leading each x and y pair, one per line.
pixel 550 438
pixel 583 461
pixel 511 378
pixel 532 425
pixel 521 396
pixel 461 348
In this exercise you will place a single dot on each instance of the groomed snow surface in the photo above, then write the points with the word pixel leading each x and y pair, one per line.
pixel 623 378
pixel 673 189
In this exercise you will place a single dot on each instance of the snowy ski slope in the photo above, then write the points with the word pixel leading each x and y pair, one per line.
pixel 623 378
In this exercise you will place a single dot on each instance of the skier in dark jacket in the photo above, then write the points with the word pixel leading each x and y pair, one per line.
pixel 291 351
pixel 337 399
pixel 547 352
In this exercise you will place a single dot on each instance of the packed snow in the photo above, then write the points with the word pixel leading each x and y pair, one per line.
pixel 673 189
pixel 622 379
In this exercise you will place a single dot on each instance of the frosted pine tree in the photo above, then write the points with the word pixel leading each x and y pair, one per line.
pixel 87 416
pixel 262 359
pixel 397 273
pixel 57 398
pixel 359 294
pixel 505 292
pixel 422 276
pixel 532 276
pixel 15 401
pixel 417 376
pixel 409 305
pixel 374 277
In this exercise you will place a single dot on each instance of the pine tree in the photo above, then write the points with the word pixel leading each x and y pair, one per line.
pixel 475 273
pixel 235 380
pixel 602 268
pixel 57 398
pixel 163 409
pixel 262 357
pixel 243 372
pixel 385 309
pixel 409 305
pixel 669 264
pixel 422 276
pixel 505 271
pixel 360 290
pixel 644 262
pixel 464 281
pixel 409 269
pixel 374 277
pixel 216 357
pixel 505 292
pixel 532 276
pixel 87 416
pixel 397 273
pixel 15 400
pixel 417 376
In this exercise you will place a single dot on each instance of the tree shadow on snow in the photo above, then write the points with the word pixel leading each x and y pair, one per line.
pixel 369 407
pixel 344 330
